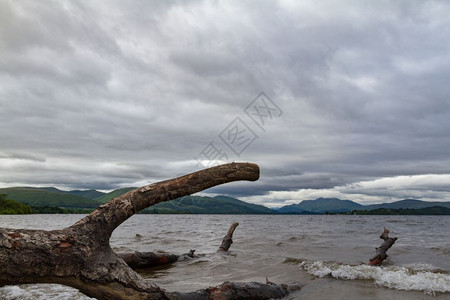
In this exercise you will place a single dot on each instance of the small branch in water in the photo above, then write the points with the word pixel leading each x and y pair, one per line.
pixel 228 238
pixel 381 255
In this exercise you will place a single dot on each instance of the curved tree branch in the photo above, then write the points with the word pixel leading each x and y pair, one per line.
pixel 108 216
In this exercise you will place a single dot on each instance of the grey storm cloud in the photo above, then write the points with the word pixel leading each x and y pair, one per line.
pixel 112 94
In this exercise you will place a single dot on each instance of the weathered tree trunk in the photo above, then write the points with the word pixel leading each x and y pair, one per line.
pixel 139 260
pixel 381 255
pixel 80 255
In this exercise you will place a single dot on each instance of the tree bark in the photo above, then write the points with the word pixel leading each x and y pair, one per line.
pixel 381 255
pixel 80 255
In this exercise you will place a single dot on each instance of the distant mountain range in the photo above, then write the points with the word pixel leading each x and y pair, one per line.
pixel 320 205
pixel 90 199
pixel 208 205
pixel 335 205
pixel 407 203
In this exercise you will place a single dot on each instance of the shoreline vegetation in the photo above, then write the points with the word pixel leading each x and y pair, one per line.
pixel 11 207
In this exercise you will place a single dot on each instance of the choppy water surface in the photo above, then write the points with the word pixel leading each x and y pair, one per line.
pixel 326 253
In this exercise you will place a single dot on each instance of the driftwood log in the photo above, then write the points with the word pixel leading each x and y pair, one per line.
pixel 381 255
pixel 80 256
pixel 140 260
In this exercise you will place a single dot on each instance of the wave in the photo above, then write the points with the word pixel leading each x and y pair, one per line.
pixel 293 260
pixel 41 292
pixel 408 278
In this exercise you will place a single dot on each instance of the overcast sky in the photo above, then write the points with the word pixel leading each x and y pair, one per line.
pixel 109 94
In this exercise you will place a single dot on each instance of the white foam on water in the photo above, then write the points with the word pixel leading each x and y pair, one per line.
pixel 13 293
pixel 394 277
pixel 41 292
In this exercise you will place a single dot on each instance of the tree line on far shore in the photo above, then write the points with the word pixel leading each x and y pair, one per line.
pixel 426 211
pixel 12 207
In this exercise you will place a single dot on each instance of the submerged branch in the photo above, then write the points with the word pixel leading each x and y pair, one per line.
pixel 228 238
pixel 381 255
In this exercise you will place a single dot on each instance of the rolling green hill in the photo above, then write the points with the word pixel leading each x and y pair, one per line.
pixel 90 194
pixel 111 195
pixel 208 205
pixel 48 197
pixel 321 205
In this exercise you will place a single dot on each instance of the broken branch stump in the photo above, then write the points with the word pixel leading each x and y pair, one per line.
pixel 381 255
pixel 228 238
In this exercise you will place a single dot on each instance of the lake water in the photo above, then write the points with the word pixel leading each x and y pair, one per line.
pixel 325 253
